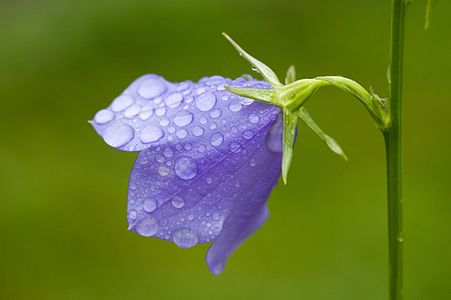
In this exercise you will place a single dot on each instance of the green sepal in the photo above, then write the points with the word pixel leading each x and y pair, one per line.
pixel 268 96
pixel 330 142
pixel 290 121
pixel 258 66
pixel 291 74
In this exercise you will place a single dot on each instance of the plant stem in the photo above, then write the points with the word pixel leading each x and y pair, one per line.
pixel 393 141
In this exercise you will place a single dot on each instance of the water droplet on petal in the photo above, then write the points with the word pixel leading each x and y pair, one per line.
pixel 146 113
pixel 185 167
pixel 149 205
pixel 168 152
pixel 160 111
pixel 216 139
pixel 245 101
pixel 132 111
pixel 164 122
pixel 206 101
pixel 174 100
pixel 253 162
pixel 171 129
pixel 151 88
pixel 104 116
pixel 216 113
pixel 254 119
pixel 132 214
pixel 151 134
pixel 181 133
pixel 177 202
pixel 163 171
pixel 197 131
pixel 147 226
pixel 185 238
pixel 235 106
pixel 118 134
pixel 121 103
pixel 248 134
pixel 183 118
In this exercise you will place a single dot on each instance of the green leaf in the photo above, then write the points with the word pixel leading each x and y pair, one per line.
pixel 290 121
pixel 291 75
pixel 330 142
pixel 258 66
pixel 267 96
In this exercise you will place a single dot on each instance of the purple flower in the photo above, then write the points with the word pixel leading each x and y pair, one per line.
pixel 208 160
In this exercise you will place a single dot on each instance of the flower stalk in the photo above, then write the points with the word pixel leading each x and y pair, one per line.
pixel 393 142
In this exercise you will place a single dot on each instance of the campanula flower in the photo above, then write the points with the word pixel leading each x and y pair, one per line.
pixel 208 160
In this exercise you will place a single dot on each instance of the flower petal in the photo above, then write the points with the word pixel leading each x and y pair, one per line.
pixel 213 187
pixel 153 111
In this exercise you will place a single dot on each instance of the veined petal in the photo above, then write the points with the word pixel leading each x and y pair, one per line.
pixel 213 190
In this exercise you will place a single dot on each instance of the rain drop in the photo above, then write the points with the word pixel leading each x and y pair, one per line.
pixel 197 131
pixel 121 103
pixel 103 116
pixel 185 238
pixel 216 139
pixel 151 88
pixel 183 118
pixel 235 106
pixel 147 226
pixel 149 205
pixel 174 100
pixel 151 134
pixel 185 167
pixel 254 119
pixel 118 134
pixel 206 101
pixel 177 202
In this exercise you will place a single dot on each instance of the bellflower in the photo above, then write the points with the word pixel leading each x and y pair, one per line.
pixel 208 160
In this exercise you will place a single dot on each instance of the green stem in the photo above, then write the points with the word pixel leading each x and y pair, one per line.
pixel 393 139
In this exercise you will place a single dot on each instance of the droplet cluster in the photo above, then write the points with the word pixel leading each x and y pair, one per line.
pixel 197 142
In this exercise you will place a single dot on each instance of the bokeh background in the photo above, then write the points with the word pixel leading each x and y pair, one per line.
pixel 63 231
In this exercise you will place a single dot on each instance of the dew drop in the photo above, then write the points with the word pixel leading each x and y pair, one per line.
pixel 253 162
pixel 132 214
pixel 209 180
pixel 149 205
pixel 216 113
pixel 103 116
pixel 151 88
pixel 187 146
pixel 147 226
pixel 121 103
pixel 132 111
pixel 171 129
pixel 168 152
pixel 118 134
pixel 163 171
pixel 185 238
pixel 245 101
pixel 235 106
pixel 174 100
pixel 164 122
pixel 183 118
pixel 177 202
pixel 248 134
pixel 213 125
pixel 146 113
pixel 216 139
pixel 160 111
pixel 206 101
pixel 254 119
pixel 181 133
pixel 151 134
pixel 185 167
pixel 197 131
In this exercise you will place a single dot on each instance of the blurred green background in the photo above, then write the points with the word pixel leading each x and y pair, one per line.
pixel 63 231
